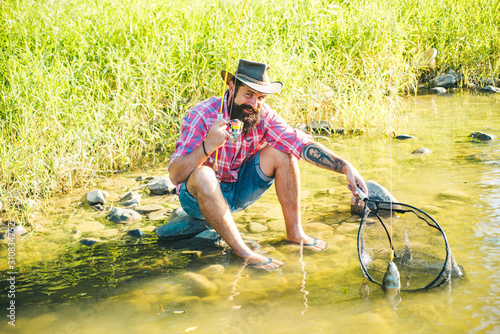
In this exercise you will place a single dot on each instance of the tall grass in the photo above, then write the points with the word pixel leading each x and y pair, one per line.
pixel 89 86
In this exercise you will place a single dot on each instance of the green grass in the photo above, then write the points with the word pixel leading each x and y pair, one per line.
pixel 102 85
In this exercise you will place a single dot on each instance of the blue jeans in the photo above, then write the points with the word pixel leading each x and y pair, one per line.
pixel 252 183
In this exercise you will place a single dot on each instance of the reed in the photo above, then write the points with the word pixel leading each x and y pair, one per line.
pixel 89 86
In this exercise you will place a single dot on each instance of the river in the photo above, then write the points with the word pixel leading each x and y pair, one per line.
pixel 126 285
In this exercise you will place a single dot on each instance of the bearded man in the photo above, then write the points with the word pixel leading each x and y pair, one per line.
pixel 266 152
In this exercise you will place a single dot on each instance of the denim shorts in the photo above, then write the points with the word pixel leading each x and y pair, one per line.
pixel 252 183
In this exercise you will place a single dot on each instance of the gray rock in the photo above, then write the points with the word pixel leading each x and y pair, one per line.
pixel 161 186
pixel 206 239
pixel 95 197
pixel 130 199
pixel 481 136
pixel 146 209
pixel 446 80
pixel 490 89
pixel 422 150
pixel 179 212
pixel 181 228
pixel 437 90
pixel 159 215
pixel 320 126
pixel 135 233
pixel 123 216
pixel 376 192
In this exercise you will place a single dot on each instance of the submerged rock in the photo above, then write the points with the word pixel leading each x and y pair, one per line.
pixel 123 216
pixel 213 271
pixel 199 285
pixel 135 233
pixel 181 228
pixel 481 136
pixel 422 150
pixel 161 186
pixel 446 80
pixel 90 241
pixel 95 197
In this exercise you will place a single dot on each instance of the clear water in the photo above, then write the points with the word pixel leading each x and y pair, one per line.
pixel 139 286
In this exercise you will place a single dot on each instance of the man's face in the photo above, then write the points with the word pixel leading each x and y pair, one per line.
pixel 247 105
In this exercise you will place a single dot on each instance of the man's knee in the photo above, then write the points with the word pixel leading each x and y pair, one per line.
pixel 202 181
pixel 272 159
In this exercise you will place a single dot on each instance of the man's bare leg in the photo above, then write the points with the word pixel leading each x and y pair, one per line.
pixel 203 185
pixel 285 169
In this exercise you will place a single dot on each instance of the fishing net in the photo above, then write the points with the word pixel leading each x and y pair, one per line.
pixel 421 250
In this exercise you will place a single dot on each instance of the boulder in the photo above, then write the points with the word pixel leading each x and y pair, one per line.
pixel 161 186
pixel 95 197
pixel 446 80
pixel 123 216
pixel 131 199
pixel 183 227
pixel 375 192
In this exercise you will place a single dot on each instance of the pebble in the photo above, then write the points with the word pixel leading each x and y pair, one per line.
pixel 135 233
pixel 89 241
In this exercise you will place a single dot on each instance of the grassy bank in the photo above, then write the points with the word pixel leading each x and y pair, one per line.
pixel 89 86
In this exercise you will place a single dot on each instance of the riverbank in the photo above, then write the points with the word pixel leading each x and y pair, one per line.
pixel 89 88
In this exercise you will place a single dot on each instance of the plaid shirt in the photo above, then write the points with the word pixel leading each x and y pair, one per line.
pixel 272 130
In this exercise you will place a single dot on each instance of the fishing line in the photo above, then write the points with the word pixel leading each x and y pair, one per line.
pixel 219 116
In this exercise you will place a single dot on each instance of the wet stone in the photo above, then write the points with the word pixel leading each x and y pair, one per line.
pixel 181 228
pixel 376 192
pixel 90 241
pixel 208 239
pixel 123 216
pixel 422 150
pixel 146 209
pixel 212 271
pixel 161 185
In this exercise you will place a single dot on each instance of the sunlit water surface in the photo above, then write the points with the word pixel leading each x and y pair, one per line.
pixel 117 287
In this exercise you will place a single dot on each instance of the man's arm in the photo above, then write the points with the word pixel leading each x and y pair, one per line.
pixel 183 166
pixel 319 155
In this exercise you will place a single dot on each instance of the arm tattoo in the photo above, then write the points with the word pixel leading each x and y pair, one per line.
pixel 319 156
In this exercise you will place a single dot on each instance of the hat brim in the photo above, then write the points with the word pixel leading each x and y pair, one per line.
pixel 272 88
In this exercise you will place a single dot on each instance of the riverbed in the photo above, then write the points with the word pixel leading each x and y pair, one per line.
pixel 123 284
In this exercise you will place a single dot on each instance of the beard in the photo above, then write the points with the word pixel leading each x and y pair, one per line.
pixel 250 121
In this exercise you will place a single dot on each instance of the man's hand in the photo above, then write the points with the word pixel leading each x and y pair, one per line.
pixel 354 180
pixel 216 136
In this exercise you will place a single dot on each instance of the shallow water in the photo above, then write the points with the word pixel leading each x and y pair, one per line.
pixel 133 286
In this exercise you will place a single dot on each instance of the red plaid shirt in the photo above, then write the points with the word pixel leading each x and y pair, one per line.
pixel 272 130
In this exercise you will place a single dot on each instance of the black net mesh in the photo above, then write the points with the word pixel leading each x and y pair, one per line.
pixel 421 251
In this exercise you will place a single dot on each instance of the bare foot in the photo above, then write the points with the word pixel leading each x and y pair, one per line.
pixel 314 244
pixel 261 262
